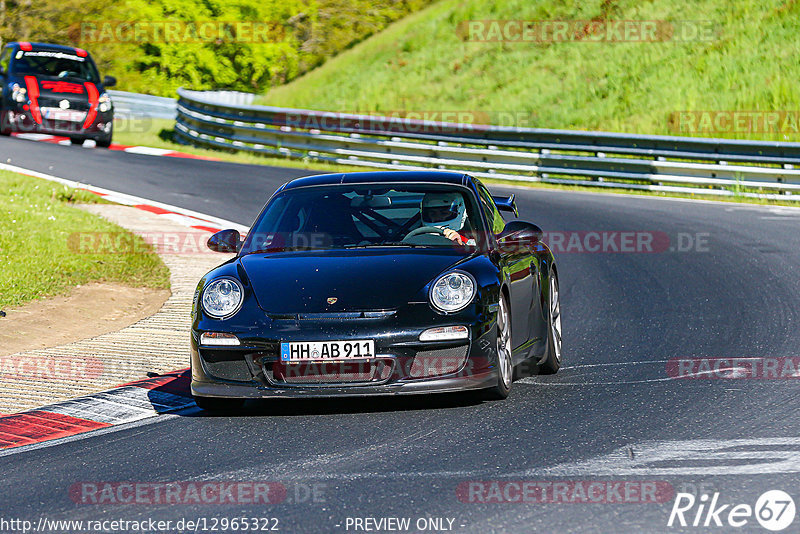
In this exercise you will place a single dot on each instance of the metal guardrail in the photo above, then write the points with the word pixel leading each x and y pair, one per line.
pixel 138 105
pixel 657 163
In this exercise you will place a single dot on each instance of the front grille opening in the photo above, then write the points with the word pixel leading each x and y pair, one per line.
pixel 54 102
pixel 331 372
pixel 225 365
pixel 438 362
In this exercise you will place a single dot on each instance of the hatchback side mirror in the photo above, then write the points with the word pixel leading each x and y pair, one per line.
pixel 228 241
pixel 109 81
pixel 519 234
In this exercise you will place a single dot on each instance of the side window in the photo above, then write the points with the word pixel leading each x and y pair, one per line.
pixel 5 59
pixel 496 222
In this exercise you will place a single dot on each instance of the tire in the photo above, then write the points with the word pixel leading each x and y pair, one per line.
pixel 505 365
pixel 76 140
pixel 5 124
pixel 105 141
pixel 218 404
pixel 552 363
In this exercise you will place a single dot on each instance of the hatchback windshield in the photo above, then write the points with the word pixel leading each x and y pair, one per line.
pixel 56 64
pixel 362 216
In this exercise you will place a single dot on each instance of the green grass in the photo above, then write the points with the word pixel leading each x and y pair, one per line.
pixel 421 64
pixel 38 244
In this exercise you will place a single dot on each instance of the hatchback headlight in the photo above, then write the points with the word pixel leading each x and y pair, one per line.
pixel 19 94
pixel 104 103
pixel 222 297
pixel 452 292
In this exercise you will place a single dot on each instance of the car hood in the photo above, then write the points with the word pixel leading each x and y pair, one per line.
pixel 374 279
pixel 53 90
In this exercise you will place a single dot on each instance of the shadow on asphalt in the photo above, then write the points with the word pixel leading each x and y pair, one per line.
pixel 304 407
pixel 175 384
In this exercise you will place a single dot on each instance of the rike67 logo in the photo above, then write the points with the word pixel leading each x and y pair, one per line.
pixel 774 510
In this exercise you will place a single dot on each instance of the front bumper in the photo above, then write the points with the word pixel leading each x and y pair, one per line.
pixel 439 385
pixel 403 364
pixel 19 120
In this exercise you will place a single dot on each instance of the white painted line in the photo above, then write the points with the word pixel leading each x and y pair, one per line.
pixel 531 380
pixel 99 410
pixel 644 362
pixel 126 199
pixel 121 405
pixel 709 456
pixel 150 151
pixel 181 219
pixel 144 398
pixel 34 136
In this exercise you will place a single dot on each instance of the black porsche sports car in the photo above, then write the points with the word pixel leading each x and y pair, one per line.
pixel 375 283
pixel 54 89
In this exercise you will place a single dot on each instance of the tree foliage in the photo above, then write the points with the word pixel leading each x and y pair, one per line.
pixel 299 35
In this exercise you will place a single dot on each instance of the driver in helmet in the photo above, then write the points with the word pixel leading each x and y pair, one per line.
pixel 447 212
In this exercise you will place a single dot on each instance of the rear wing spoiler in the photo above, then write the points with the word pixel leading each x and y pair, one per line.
pixel 506 204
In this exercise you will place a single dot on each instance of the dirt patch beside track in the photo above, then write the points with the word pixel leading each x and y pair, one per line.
pixel 88 311
pixel 90 343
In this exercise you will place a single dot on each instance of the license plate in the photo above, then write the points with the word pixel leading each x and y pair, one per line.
pixel 58 114
pixel 306 351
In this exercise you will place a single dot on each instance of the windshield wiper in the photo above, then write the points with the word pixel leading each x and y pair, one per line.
pixel 277 249
pixel 387 244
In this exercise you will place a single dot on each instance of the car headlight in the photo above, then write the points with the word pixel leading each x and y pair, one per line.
pixel 19 94
pixel 104 103
pixel 452 292
pixel 222 297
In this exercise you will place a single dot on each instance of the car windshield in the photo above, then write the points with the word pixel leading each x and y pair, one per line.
pixel 55 63
pixel 364 216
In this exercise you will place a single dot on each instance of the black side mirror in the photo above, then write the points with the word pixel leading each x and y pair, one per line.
pixel 228 241
pixel 519 234
pixel 109 81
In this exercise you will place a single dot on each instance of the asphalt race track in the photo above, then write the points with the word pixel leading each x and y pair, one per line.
pixel 616 414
